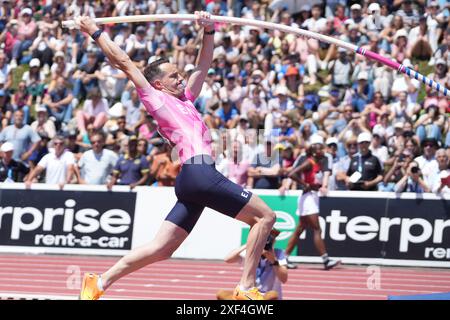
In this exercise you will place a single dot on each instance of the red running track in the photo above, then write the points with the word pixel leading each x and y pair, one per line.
pixel 59 277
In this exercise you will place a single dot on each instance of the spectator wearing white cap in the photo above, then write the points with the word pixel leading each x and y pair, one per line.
pixel 365 171
pixel 35 80
pixel 372 21
pixel 440 75
pixel 27 30
pixel 356 16
pixel 400 48
pixel 60 68
pixel 10 169
pixel 43 123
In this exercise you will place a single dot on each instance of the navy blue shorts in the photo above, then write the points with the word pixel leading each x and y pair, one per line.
pixel 200 185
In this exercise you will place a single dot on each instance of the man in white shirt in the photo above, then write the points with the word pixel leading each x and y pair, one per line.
pixel 96 164
pixel 58 165
pixel 379 150
pixel 316 23
pixel 440 181
pixel 427 161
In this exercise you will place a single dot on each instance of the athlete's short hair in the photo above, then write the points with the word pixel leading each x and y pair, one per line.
pixel 153 70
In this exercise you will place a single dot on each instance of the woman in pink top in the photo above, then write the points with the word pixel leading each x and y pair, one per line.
pixel 27 30
pixel 95 111
pixel 169 99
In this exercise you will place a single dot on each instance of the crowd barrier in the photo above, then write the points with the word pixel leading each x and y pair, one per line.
pixel 358 227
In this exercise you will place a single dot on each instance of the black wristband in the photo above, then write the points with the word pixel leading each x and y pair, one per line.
pixel 96 34
pixel 275 263
pixel 210 32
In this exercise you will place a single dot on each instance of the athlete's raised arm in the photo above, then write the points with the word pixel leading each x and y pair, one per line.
pixel 117 57
pixel 205 56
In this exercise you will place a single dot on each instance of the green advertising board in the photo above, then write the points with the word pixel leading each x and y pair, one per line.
pixel 285 208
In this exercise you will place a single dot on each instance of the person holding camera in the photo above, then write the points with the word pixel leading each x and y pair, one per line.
pixel 412 181
pixel 397 171
pixel 271 272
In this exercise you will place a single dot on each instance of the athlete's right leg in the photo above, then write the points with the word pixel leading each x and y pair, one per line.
pixel 168 239
pixel 257 236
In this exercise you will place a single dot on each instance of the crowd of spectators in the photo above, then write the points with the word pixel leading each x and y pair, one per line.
pixel 64 109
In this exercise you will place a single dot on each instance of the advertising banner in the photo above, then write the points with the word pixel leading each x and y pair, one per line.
pixel 368 227
pixel 67 219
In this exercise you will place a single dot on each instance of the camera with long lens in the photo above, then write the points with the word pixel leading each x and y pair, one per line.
pixel 415 170
pixel 269 242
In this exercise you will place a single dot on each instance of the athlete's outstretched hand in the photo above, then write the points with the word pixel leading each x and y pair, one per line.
pixel 86 24
pixel 204 20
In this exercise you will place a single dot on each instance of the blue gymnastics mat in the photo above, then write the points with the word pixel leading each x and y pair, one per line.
pixel 433 296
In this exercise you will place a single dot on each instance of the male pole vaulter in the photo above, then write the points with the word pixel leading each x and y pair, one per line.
pixel 166 96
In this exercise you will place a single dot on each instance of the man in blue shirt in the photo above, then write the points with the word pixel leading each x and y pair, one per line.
pixel 227 115
pixel 362 92
pixel 23 138
pixel 59 102
pixel 132 168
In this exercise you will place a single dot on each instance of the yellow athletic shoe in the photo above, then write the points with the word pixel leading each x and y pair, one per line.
pixel 252 294
pixel 89 289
